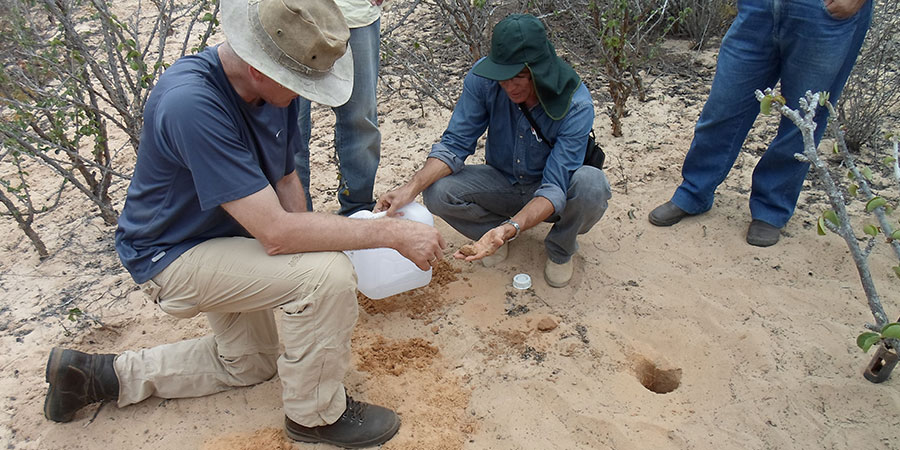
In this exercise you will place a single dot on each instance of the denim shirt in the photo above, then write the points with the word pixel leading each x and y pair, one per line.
pixel 512 147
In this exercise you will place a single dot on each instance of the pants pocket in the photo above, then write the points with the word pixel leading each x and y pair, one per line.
pixel 151 290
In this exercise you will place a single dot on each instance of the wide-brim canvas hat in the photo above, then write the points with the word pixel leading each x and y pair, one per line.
pixel 300 44
pixel 520 41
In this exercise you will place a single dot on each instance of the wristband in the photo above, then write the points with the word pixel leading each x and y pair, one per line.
pixel 515 225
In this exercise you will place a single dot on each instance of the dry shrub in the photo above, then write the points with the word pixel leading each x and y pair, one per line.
pixel 872 93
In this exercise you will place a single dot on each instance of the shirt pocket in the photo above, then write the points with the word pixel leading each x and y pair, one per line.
pixel 536 153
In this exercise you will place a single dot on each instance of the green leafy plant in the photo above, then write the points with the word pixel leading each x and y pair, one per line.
pixel 623 35
pixel 871 205
pixel 866 340
pixel 74 314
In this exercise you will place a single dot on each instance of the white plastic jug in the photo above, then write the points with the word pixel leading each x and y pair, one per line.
pixel 383 272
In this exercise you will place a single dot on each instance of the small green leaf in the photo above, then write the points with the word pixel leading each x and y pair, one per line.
pixel 865 340
pixel 888 160
pixel 875 203
pixel 820 226
pixel 832 217
pixel 866 173
pixel 780 99
pixel 895 234
pixel 853 189
pixel 891 330
pixel 74 314
pixel 835 148
pixel 896 271
pixel 765 105
pixel 851 175
pixel 871 230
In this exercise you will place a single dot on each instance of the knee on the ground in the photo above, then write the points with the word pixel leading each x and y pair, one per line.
pixel 250 369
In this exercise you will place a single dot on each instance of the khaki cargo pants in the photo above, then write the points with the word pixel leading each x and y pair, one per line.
pixel 237 285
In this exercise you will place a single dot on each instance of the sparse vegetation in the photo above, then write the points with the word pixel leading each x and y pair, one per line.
pixel 872 93
pixel 875 210
pixel 73 73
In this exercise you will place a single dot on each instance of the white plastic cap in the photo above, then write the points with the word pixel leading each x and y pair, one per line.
pixel 522 281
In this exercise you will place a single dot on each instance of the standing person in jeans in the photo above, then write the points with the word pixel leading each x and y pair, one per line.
pixel 215 222
pixel 809 45
pixel 525 180
pixel 357 140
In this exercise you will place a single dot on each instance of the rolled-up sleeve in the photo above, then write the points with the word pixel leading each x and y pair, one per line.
pixel 469 121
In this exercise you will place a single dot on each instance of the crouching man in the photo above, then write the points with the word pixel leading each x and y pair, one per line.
pixel 215 222
pixel 527 179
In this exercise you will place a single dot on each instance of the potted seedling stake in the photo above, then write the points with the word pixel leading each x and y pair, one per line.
pixel 885 359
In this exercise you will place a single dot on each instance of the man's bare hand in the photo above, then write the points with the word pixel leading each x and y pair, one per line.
pixel 486 246
pixel 393 200
pixel 842 9
pixel 420 243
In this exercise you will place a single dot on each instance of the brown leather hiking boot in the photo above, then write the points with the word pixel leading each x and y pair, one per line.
pixel 362 425
pixel 76 380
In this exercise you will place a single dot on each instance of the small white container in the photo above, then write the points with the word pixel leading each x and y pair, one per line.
pixel 522 281
pixel 383 272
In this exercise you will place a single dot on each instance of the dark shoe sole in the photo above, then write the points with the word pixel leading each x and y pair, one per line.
pixel 53 362
pixel 378 440
pixel 50 374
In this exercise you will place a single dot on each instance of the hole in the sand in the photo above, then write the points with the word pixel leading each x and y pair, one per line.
pixel 661 381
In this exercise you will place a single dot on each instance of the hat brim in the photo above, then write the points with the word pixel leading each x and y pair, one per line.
pixel 332 88
pixel 497 72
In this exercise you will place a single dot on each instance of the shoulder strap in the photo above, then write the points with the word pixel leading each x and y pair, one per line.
pixel 534 125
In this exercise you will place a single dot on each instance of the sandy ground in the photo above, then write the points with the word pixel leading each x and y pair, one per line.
pixel 668 338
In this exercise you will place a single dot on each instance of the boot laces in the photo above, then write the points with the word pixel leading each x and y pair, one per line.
pixel 355 410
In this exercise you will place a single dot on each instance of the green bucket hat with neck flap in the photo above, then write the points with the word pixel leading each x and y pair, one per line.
pixel 520 41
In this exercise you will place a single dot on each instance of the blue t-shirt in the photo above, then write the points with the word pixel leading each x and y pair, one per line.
pixel 202 145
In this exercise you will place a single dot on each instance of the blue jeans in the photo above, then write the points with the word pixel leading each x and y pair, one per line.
pixel 357 140
pixel 797 42
pixel 479 198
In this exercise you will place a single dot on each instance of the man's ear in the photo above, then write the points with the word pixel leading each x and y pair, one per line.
pixel 255 75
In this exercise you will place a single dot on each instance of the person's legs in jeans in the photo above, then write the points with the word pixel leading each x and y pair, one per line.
pixel 357 140
pixel 301 155
pixel 817 53
pixel 476 199
pixel 748 61
pixel 356 136
pixel 587 200
pixel 237 284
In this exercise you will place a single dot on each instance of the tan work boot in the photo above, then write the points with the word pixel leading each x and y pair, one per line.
pixel 558 275
pixel 498 257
